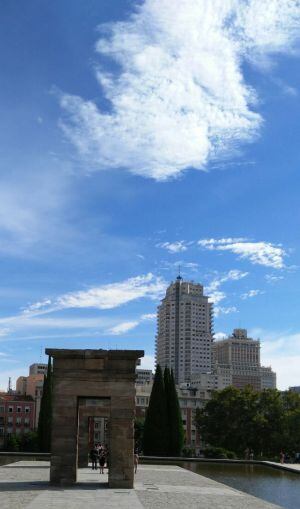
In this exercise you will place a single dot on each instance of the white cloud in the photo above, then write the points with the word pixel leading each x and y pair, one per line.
pixel 147 362
pixel 179 98
pixel 107 296
pixel 115 294
pixel 232 275
pixel 251 293
pixel 261 253
pixel 123 327
pixel 216 295
pixel 219 310
pixel 174 247
pixel 103 297
pixel 273 278
pixel 218 336
pixel 149 316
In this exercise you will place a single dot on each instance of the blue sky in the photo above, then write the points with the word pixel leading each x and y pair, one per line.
pixel 137 136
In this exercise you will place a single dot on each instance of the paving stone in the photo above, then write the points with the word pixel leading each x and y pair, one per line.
pixel 25 485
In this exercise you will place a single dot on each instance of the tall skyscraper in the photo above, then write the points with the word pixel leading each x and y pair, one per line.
pixel 184 330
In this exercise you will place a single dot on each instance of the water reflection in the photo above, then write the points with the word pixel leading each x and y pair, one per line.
pixel 276 486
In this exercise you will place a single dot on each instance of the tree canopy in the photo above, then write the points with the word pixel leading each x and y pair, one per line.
pixel 266 422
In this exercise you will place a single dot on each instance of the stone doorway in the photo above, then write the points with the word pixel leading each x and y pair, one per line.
pixel 91 383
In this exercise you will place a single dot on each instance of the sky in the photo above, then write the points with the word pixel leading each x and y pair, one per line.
pixel 137 137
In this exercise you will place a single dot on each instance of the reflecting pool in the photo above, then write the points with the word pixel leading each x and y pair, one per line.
pixel 276 486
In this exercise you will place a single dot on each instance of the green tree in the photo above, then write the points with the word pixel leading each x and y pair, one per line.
pixel 175 426
pixel 138 433
pixel 29 442
pixel 265 421
pixel 155 440
pixel 45 417
pixel 13 443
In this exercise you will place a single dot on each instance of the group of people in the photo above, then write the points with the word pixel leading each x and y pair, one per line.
pixel 99 454
pixel 249 454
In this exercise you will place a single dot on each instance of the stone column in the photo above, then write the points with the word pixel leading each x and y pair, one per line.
pixel 63 469
pixel 121 468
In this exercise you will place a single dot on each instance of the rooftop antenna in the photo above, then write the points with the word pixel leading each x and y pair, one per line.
pixel 179 276
pixel 9 388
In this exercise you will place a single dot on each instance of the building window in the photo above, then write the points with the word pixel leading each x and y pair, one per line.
pixel 10 409
pixel 27 409
pixel 1 409
pixel 19 409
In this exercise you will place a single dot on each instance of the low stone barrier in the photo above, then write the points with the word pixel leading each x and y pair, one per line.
pixel 7 457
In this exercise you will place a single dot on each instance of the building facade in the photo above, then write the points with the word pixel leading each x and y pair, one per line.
pixel 32 385
pixel 17 415
pixel 239 355
pixel 296 389
pixel 143 376
pixel 38 368
pixel 184 330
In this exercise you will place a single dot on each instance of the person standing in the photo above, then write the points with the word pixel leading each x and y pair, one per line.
pixel 136 461
pixel 281 457
pixel 102 460
pixel 94 457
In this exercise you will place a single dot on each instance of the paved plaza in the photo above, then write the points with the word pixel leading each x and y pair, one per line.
pixel 24 485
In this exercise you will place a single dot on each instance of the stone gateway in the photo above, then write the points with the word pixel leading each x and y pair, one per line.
pixel 84 380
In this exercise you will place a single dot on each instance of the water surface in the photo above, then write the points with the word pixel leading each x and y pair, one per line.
pixel 276 486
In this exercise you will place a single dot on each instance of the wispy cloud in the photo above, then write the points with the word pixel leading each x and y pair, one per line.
pixel 220 310
pixel 104 297
pixel 232 275
pixel 251 293
pixel 174 247
pixel 149 316
pixel 260 253
pixel 122 328
pixel 216 295
pixel 179 98
pixel 107 296
pixel 273 278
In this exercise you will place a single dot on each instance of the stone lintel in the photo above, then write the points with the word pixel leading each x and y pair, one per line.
pixel 61 353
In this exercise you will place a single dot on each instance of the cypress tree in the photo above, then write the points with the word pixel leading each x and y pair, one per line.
pixel 155 440
pixel 176 437
pixel 41 425
pixel 168 392
pixel 45 417
pixel 48 417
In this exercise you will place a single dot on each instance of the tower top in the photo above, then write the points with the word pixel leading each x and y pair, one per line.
pixel 179 278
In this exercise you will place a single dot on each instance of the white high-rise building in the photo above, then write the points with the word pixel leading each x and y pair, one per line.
pixel 184 330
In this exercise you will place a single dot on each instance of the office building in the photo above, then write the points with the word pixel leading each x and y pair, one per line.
pixel 184 330
pixel 240 355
